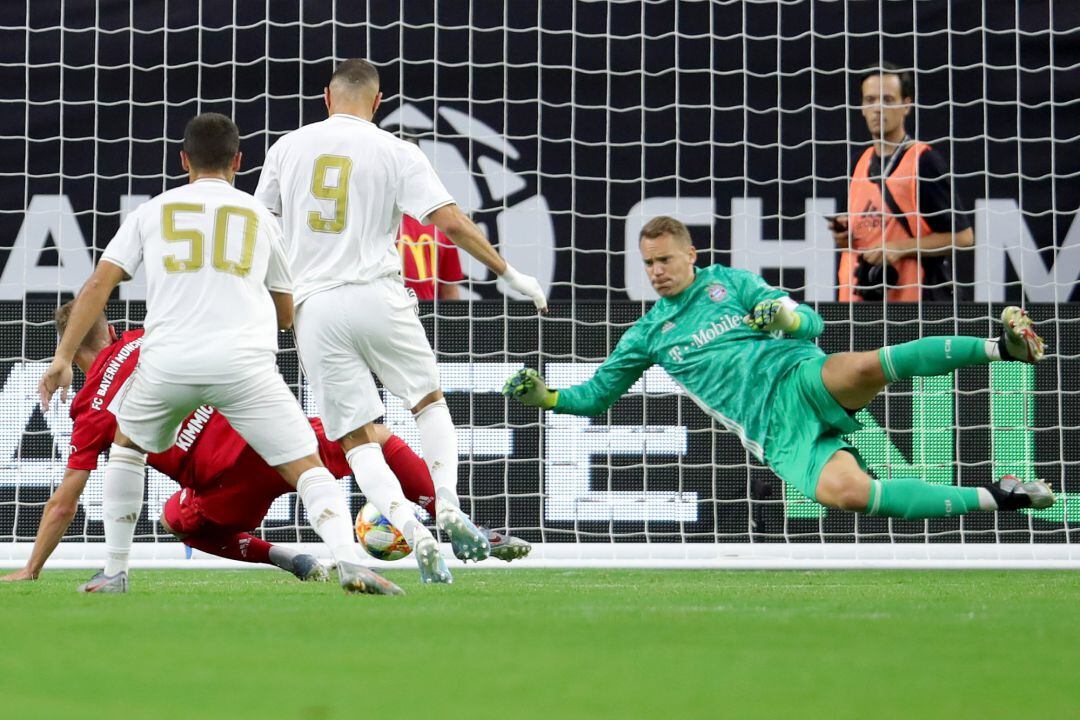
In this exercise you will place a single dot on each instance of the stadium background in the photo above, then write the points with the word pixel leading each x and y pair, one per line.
pixel 603 109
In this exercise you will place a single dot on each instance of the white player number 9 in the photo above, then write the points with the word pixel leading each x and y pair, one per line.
pixel 337 192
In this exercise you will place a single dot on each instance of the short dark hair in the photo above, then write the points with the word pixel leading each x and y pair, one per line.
pixel 356 73
pixel 665 225
pixel 63 315
pixel 907 78
pixel 211 141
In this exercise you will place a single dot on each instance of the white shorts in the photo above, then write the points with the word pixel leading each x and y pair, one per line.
pixel 345 334
pixel 261 408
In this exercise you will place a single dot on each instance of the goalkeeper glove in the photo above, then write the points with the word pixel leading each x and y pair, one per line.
pixel 772 315
pixel 529 389
pixel 526 285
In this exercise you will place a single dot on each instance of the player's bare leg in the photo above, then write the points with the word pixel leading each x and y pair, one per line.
pixel 330 517
pixel 855 378
pixel 124 485
pixel 438 438
pixel 843 484
pixel 379 484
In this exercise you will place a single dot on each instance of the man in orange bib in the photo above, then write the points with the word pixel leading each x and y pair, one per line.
pixel 897 238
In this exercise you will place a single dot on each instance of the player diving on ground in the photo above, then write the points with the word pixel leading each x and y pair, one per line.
pixel 218 290
pixel 226 487
pixel 742 351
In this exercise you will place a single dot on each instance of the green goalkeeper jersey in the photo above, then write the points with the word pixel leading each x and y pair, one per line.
pixel 699 338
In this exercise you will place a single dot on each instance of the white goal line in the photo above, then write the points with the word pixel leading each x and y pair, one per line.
pixel 704 556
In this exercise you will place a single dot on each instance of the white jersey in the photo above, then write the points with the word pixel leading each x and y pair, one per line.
pixel 340 186
pixel 212 253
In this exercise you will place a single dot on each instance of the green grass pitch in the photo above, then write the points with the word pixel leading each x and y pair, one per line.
pixel 553 644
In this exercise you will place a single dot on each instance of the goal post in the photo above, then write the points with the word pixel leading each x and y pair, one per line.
pixel 561 129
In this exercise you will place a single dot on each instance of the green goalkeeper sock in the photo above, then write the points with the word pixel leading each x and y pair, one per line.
pixel 915 499
pixel 935 356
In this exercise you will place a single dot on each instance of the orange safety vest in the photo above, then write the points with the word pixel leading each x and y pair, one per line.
pixel 871 224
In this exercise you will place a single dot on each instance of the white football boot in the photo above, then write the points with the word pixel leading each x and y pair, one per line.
pixel 469 542
pixel 356 579
pixel 506 547
pixel 102 583
pixel 430 561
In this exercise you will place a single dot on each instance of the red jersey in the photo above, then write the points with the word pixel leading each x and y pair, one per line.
pixel 210 453
pixel 194 461
pixel 426 255
pixel 94 425
pixel 225 482
pixel 206 447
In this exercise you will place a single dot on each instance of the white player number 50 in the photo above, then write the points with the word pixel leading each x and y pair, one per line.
pixel 196 255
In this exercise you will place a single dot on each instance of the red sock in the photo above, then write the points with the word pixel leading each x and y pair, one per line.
pixel 411 471
pixel 234 546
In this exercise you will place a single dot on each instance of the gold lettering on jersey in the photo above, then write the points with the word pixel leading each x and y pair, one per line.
pixel 172 234
pixel 338 192
pixel 221 239
pixel 196 252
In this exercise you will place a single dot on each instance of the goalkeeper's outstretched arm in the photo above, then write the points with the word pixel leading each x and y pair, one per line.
pixel 612 379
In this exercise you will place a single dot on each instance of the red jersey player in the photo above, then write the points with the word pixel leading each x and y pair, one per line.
pixel 226 487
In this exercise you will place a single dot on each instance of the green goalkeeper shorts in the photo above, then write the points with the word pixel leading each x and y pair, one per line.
pixel 806 428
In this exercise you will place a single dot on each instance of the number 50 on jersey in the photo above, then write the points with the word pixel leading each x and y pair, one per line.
pixel 243 221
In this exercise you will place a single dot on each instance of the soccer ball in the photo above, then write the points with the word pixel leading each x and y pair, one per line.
pixel 379 538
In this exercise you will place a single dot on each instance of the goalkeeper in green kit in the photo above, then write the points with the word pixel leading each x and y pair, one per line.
pixel 742 351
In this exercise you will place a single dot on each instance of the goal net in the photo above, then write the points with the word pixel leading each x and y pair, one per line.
pixel 562 128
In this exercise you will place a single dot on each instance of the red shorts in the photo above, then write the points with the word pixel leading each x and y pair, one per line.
pixel 234 508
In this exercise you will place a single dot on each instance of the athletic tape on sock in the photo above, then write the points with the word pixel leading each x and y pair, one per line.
pixel 875 497
pixel 441 402
pixel 885 357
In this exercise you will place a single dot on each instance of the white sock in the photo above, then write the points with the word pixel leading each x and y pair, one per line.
pixel 380 486
pixel 438 438
pixel 125 482
pixel 993 352
pixel 986 500
pixel 328 512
